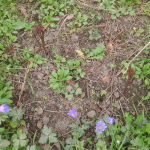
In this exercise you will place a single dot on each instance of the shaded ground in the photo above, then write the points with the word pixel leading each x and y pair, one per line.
pixel 48 108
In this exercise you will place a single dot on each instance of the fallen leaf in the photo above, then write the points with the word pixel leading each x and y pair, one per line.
pixel 23 11
pixel 110 46
pixel 105 79
pixel 80 53
pixel 70 17
pixel 24 128
pixel 69 88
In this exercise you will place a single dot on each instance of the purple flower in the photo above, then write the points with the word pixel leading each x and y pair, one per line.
pixel 42 122
pixel 100 127
pixel 72 113
pixel 4 108
pixel 110 120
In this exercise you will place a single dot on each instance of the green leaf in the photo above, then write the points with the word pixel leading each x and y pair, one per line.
pixel 54 74
pixel 148 128
pixel 23 143
pixel 4 143
pixel 66 72
pixel 69 97
pixel 2 129
pixel 56 85
pixel 5 100
pixel 52 139
pixel 22 122
pixel 33 147
pixel 68 78
pixel 39 62
pixel 16 114
pixel 22 136
pixel 101 145
pixel 47 135
pixel 43 139
pixel 82 74
pixel 136 142
pixel 85 126
pixel 113 17
pixel 78 91
pixel 3 117
pixel 46 130
pixel 70 141
pixel 13 124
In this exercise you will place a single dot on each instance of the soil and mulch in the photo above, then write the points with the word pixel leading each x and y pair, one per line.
pixel 42 106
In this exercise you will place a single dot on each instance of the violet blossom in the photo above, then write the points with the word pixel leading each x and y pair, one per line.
pixel 100 127
pixel 4 108
pixel 72 113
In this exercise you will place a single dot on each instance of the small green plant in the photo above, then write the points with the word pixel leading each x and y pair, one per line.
pixel 141 70
pixel 60 82
pixel 139 32
pixel 97 53
pixel 78 132
pixel 5 92
pixel 34 59
pixel 133 134
pixel 47 136
pixel 51 11
pixel 80 21
pixel 129 2
pixel 94 34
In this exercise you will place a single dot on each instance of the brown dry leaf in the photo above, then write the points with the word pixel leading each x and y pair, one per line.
pixel 105 79
pixel 70 17
pixel 80 53
pixel 69 88
pixel 24 128
pixel 110 46
pixel 23 11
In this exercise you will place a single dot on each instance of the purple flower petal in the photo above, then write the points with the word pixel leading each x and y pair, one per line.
pixel 110 120
pixel 42 122
pixel 4 108
pixel 72 113
pixel 100 127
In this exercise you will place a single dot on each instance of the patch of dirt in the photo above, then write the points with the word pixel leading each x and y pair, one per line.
pixel 44 107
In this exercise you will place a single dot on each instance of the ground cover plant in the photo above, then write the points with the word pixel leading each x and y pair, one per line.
pixel 74 75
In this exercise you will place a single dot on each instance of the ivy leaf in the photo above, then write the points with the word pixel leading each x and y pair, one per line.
pixel 85 126
pixel 33 147
pixel 19 140
pixel 81 131
pixel 113 17
pixel 136 142
pixel 86 122
pixel 70 141
pixel 16 114
pixel 43 139
pixel 3 117
pixel 82 74
pixel 4 143
pixel 46 130
pixel 73 126
pixel 69 97
pixel 78 91
pixel 101 145
pixel 47 135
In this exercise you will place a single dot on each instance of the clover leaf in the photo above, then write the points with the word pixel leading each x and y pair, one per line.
pixel 16 114
pixel 47 136
pixel 4 143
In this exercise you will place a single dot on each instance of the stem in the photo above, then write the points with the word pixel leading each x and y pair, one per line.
pixel 123 140
pixel 114 134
